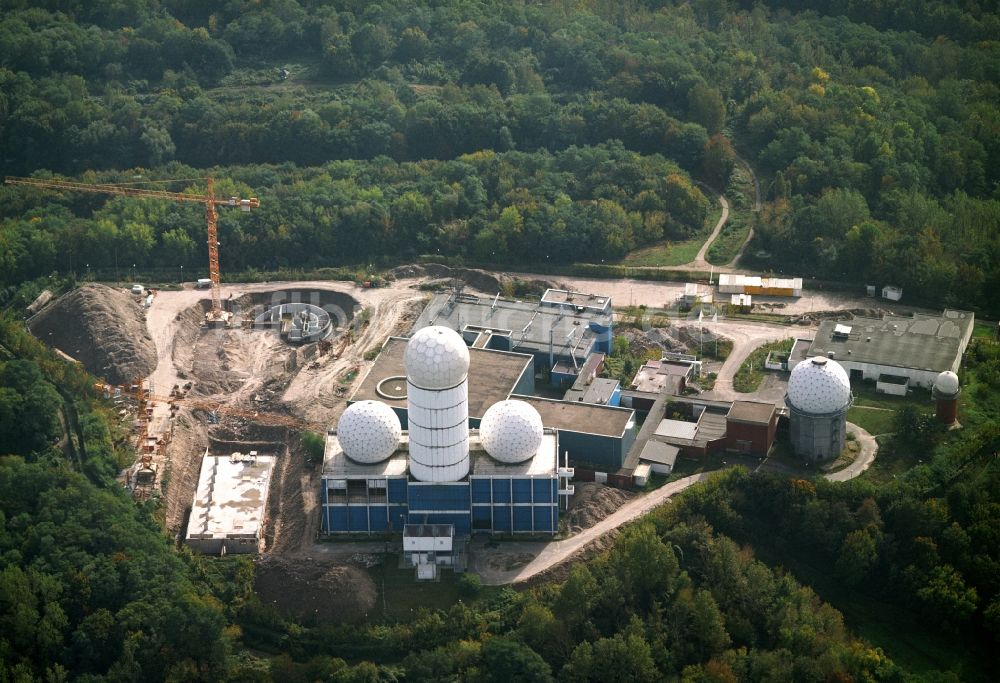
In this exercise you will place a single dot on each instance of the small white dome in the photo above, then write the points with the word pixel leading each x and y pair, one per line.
pixel 511 431
pixel 946 383
pixel 436 357
pixel 819 386
pixel 369 431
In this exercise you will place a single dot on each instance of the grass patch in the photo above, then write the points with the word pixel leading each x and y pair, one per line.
pixel 984 329
pixel 866 396
pixel 748 377
pixel 729 241
pixel 400 595
pixel 875 421
pixel 668 253
pixel 664 254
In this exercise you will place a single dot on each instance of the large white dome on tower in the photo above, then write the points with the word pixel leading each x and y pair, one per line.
pixel 819 386
pixel 511 431
pixel 369 431
pixel 946 384
pixel 436 357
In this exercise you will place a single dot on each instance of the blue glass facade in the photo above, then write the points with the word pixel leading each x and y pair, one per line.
pixel 481 504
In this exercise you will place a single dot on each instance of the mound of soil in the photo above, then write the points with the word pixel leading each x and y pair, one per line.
pixel 477 279
pixel 591 503
pixel 307 589
pixel 103 328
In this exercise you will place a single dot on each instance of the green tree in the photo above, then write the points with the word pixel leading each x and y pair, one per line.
pixel 506 661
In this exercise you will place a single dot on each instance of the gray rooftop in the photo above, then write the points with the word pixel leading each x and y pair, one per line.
pixel 752 412
pixel 562 297
pixel 492 376
pixel 656 375
pixel 659 453
pixel 585 418
pixel 923 342
pixel 600 390
pixel 231 497
pixel 531 325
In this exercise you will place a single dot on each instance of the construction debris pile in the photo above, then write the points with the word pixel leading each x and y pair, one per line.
pixel 102 328
pixel 591 503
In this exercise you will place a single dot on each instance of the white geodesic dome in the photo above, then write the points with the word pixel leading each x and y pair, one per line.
pixel 511 431
pixel 369 431
pixel 819 386
pixel 436 357
pixel 946 384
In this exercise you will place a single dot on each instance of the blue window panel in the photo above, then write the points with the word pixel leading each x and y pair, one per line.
pixel 501 490
pixel 380 518
pixel 543 518
pixel 480 490
pixel 501 518
pixel 522 490
pixel 481 518
pixel 438 497
pixel 522 518
pixel 543 490
pixel 397 490
pixel 358 518
pixel 397 518
pixel 337 519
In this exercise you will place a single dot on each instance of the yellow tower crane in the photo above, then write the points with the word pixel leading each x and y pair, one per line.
pixel 216 315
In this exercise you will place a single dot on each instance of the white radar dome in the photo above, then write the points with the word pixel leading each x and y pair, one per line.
pixel 369 431
pixel 436 357
pixel 946 383
pixel 511 431
pixel 819 386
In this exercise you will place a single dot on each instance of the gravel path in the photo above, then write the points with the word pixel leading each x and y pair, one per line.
pixel 699 262
pixel 869 449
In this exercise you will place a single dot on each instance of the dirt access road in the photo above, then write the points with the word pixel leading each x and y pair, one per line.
pixel 548 555
pixel 699 262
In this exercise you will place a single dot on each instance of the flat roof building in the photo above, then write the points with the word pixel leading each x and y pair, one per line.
pixel 230 503
pixel 562 326
pixel 495 497
pixel 495 376
pixel 732 283
pixel 920 347
pixel 598 435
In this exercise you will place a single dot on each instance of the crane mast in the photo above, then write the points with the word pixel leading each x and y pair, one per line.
pixel 216 315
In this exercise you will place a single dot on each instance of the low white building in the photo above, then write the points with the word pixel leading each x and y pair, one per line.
pixel 918 348
pixel 230 504
pixel 731 283
pixel 429 546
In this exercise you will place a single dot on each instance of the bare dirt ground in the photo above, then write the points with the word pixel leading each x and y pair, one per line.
pixel 319 590
pixel 591 503
pixel 103 328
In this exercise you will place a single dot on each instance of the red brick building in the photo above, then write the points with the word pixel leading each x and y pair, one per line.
pixel 750 427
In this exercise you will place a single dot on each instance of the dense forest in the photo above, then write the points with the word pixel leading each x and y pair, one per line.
pixel 509 132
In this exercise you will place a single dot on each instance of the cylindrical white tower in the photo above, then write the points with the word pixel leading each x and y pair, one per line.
pixel 437 402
